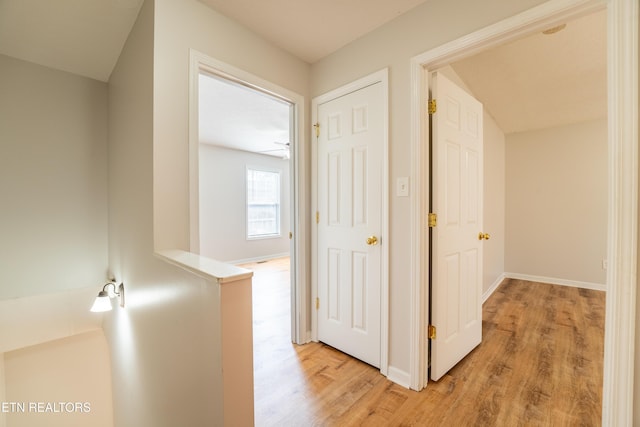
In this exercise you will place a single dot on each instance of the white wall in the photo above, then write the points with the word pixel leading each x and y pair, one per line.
pixel 494 204
pixel 557 202
pixel 393 45
pixel 223 196
pixel 74 370
pixel 179 26
pixel 165 344
pixel 53 220
pixel 182 362
pixel 45 317
pixel 53 180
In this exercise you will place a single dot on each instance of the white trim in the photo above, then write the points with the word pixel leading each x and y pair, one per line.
pixel 264 258
pixel 622 59
pixel 525 23
pixel 556 281
pixel 620 313
pixel 382 77
pixel 486 294
pixel 419 296
pixel 199 61
pixel 399 376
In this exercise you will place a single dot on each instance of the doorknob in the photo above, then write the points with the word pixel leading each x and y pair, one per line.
pixel 484 236
pixel 372 240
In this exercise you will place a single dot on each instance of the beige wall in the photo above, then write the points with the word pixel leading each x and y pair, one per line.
pixel 3 398
pixel 53 180
pixel 557 202
pixel 161 375
pixel 75 370
pixel 53 187
pixel 393 45
pixel 223 205
pixel 165 344
pixel 182 25
pixel 494 204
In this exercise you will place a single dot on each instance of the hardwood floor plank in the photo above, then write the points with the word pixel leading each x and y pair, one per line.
pixel 540 364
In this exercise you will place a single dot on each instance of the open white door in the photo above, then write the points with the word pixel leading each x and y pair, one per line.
pixel 350 199
pixel 456 277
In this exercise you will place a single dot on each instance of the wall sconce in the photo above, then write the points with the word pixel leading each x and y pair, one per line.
pixel 103 300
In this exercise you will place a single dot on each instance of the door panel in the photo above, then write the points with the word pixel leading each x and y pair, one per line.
pixel 456 303
pixel 350 155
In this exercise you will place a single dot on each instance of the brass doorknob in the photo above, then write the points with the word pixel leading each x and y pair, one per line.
pixel 484 236
pixel 372 240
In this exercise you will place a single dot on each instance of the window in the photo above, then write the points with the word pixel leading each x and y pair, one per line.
pixel 263 203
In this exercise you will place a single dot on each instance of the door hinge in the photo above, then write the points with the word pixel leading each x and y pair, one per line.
pixel 317 126
pixel 432 106
pixel 432 220
pixel 317 303
pixel 317 217
pixel 290 235
pixel 431 332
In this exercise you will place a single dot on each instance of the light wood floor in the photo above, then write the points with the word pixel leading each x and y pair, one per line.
pixel 540 364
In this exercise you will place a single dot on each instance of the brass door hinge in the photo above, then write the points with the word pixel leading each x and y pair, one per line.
pixel 317 126
pixel 290 235
pixel 431 332
pixel 317 217
pixel 432 106
pixel 432 220
pixel 317 303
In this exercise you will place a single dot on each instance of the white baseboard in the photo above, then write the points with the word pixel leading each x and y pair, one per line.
pixel 556 281
pixel 493 287
pixel 257 259
pixel 307 338
pixel 399 377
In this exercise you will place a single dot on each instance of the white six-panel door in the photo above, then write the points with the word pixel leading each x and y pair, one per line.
pixel 349 198
pixel 456 281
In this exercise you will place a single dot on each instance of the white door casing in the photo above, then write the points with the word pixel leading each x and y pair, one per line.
pixel 351 195
pixel 456 282
pixel 199 62
pixel 622 87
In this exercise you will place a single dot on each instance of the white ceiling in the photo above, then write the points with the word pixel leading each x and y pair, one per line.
pixel 532 83
pixel 235 116
pixel 543 80
pixel 311 29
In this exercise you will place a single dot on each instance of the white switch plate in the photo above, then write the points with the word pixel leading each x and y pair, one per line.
pixel 402 186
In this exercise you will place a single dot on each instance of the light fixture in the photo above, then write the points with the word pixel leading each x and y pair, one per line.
pixel 103 300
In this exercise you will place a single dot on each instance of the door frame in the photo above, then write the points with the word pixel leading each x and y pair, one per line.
pixel 201 62
pixel 381 77
pixel 622 88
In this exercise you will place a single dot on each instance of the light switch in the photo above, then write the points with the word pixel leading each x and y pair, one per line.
pixel 402 186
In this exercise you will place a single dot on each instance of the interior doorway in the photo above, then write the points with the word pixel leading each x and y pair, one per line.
pixel 244 163
pixel 519 145
pixel 246 173
pixel 350 253
pixel 622 175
